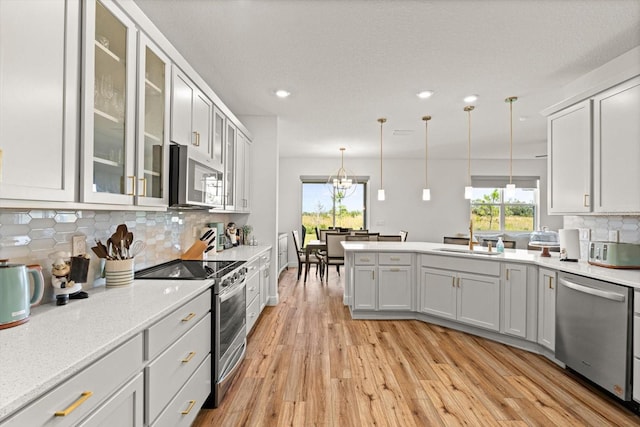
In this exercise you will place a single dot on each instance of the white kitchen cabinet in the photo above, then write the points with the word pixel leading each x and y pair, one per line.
pixel 636 346
pixel 230 162
pixel 124 409
pixel 617 149
pixel 39 99
pixel 547 308
pixel 465 290
pixel 84 393
pixel 265 278
pixel 514 307
pixel 384 281
pixel 191 114
pixel 243 173
pixel 252 293
pixel 569 165
pixel 109 105
pixel 219 133
pixel 152 169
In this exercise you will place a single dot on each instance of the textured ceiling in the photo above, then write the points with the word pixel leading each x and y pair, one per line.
pixel 349 62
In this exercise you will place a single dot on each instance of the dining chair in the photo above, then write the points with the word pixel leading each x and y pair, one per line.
pixel 404 235
pixel 373 236
pixel 456 240
pixel 357 237
pixel 359 232
pixel 335 251
pixel 302 256
pixel 318 233
pixel 508 244
pixel 390 238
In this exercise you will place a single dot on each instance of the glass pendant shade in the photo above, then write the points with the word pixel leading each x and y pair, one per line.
pixel 426 194
pixel 341 181
pixel 381 195
pixel 510 190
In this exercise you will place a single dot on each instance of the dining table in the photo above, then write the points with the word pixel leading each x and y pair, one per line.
pixel 312 247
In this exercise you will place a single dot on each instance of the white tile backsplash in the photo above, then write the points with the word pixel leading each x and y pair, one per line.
pixel 31 236
pixel 628 227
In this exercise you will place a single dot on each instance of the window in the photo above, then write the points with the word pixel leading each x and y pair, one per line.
pixel 492 211
pixel 324 207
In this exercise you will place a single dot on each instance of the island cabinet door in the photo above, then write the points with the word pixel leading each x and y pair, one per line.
pixel 438 292
pixel 479 300
pixel 364 288
pixel 395 290
pixel 514 306
pixel 547 308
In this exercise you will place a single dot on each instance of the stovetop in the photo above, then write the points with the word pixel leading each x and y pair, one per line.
pixel 179 269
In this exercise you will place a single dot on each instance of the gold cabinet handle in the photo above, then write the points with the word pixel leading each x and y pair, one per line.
pixel 458 282
pixel 373 275
pixel 144 187
pixel 83 397
pixel 364 259
pixel 507 274
pixel 191 405
pixel 394 258
pixel 453 282
pixel 189 357
pixel 394 269
pixel 585 201
pixel 189 317
pixel 550 282
pixel 133 185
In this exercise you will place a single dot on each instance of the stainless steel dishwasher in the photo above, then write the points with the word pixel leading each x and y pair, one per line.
pixel 594 332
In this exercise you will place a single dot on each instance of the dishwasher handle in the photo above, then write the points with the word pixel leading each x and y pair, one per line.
pixel 592 291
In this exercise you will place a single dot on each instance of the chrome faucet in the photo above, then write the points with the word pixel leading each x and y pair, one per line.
pixel 471 242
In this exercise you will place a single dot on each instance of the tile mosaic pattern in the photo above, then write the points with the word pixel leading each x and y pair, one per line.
pixel 32 236
pixel 628 227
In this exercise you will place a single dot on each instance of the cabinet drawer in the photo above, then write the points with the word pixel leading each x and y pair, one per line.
pixel 252 267
pixel 390 258
pixel 162 334
pixel 463 264
pixel 166 374
pixel 124 409
pixel 365 259
pixel 182 410
pixel 253 288
pixel 265 257
pixel 253 311
pixel 100 379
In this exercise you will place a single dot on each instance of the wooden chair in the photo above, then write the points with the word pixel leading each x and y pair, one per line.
pixel 335 251
pixel 357 237
pixel 373 236
pixel 302 256
pixel 390 238
pixel 508 244
pixel 456 240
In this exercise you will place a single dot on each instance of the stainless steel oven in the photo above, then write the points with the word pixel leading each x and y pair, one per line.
pixel 230 335
pixel 593 331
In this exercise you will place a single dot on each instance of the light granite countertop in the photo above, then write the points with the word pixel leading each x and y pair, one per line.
pixel 59 341
pixel 629 278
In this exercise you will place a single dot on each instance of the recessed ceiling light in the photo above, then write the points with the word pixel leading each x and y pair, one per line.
pixel 470 98
pixel 425 94
pixel 281 93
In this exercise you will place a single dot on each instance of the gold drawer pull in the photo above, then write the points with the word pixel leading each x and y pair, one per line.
pixel 191 405
pixel 550 282
pixel 189 357
pixel 83 397
pixel 394 258
pixel 394 270
pixel 189 317
pixel 365 259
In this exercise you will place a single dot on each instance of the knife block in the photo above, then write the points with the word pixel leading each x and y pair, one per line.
pixel 195 252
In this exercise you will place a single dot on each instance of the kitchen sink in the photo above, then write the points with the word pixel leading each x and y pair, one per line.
pixel 468 251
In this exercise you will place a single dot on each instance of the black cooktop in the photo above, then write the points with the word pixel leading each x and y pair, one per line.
pixel 179 269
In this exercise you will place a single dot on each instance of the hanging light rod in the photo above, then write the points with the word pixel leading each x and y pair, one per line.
pixel 342 181
pixel 510 189
pixel 426 191
pixel 381 195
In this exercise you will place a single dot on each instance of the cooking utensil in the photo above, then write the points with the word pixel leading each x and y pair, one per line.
pixel 15 295
pixel 206 235
pixel 136 248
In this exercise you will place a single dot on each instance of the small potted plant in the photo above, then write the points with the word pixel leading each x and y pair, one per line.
pixel 246 232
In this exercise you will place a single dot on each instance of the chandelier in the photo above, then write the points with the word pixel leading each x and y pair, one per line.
pixel 341 181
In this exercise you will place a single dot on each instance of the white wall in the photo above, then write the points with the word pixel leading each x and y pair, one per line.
pixel 447 213
pixel 264 189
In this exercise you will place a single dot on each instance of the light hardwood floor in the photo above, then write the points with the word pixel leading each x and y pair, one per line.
pixel 309 364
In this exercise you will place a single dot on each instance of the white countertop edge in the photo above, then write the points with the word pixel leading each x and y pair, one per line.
pixel 625 277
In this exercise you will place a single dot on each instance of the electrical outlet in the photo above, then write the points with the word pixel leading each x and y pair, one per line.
pixel 585 234
pixel 614 236
pixel 78 245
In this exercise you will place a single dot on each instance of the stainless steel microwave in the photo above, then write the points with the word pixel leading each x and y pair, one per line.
pixel 193 182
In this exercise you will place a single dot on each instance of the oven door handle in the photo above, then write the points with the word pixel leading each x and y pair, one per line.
pixel 591 291
pixel 236 290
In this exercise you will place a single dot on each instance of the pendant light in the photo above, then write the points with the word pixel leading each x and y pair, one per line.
pixel 510 189
pixel 381 195
pixel 468 190
pixel 341 182
pixel 426 192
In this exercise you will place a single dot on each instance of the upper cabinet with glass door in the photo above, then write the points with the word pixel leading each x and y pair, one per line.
pixel 153 126
pixel 230 167
pixel 109 105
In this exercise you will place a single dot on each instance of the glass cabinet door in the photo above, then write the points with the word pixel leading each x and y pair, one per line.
pixel 218 138
pixel 229 167
pixel 153 112
pixel 108 134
